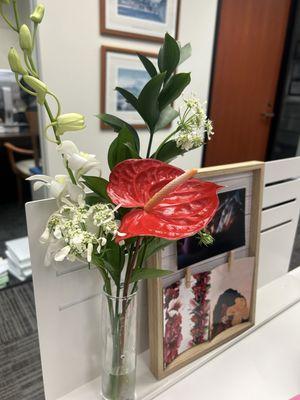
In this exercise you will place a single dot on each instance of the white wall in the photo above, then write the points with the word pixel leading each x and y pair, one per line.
pixel 70 61
pixel 9 38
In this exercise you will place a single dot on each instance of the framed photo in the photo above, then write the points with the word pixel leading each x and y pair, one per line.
pixel 210 296
pixel 121 67
pixel 136 19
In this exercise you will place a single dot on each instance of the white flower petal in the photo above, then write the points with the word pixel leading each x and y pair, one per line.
pixel 57 189
pixel 57 233
pixel 62 253
pixel 89 252
pixel 88 167
pixel 45 235
pixel 75 192
pixel 68 148
pixel 40 177
pixel 38 185
pixel 76 161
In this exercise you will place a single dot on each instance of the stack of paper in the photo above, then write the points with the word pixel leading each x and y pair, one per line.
pixel 18 258
pixel 4 278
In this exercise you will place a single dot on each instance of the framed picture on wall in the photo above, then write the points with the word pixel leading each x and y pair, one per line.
pixel 121 67
pixel 209 298
pixel 145 20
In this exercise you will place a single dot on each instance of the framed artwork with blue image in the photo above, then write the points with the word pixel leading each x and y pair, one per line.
pixel 139 19
pixel 122 68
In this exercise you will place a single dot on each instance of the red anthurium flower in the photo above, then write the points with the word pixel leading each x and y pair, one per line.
pixel 167 202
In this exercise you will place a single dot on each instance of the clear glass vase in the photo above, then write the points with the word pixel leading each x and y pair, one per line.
pixel 118 336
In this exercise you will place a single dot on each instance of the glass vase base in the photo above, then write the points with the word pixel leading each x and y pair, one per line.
pixel 118 387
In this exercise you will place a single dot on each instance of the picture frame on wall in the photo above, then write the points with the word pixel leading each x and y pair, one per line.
pixel 136 19
pixel 121 67
pixel 209 298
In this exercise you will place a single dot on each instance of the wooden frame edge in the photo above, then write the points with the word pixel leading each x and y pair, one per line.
pixel 114 32
pixel 103 63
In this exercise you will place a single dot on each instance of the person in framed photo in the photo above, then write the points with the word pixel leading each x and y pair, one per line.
pixel 231 309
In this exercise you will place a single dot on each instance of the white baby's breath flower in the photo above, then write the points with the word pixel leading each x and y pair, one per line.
pixel 194 128
pixel 80 230
pixel 188 140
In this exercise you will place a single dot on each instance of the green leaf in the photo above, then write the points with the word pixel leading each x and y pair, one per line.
pixel 173 89
pixel 112 260
pixel 149 66
pixel 168 56
pixel 132 149
pixel 166 117
pixel 148 273
pixel 121 148
pixel 92 200
pixel 148 100
pixel 168 152
pixel 130 98
pixel 97 185
pixel 185 53
pixel 117 124
pixel 155 245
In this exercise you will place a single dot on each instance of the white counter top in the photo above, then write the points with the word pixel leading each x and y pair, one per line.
pixel 264 362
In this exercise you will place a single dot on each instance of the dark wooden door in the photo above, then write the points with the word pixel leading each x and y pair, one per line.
pixel 249 48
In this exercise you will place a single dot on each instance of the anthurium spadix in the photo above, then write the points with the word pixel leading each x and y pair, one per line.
pixel 78 161
pixel 15 62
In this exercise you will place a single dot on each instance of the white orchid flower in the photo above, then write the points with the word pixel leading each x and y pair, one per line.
pixel 59 186
pixel 78 161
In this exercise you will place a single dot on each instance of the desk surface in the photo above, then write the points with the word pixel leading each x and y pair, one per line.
pixel 5 136
pixel 263 366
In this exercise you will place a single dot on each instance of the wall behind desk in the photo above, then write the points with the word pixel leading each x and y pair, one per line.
pixel 70 63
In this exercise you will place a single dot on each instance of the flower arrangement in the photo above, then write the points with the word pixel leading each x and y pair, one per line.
pixel 146 203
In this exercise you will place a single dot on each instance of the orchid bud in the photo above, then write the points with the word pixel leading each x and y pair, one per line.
pixel 38 14
pixel 15 62
pixel 69 122
pixel 25 39
pixel 38 86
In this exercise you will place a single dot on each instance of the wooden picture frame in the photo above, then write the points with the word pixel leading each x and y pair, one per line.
pixel 158 366
pixel 133 32
pixel 104 91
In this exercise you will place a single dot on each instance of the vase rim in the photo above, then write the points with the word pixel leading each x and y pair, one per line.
pixel 114 297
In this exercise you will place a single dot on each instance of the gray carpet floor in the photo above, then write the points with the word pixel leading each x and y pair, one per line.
pixel 20 364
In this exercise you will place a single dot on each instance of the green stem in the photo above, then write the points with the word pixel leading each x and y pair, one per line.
pixel 58 104
pixel 23 87
pixel 134 288
pixel 29 68
pixel 150 144
pixel 34 35
pixel 16 13
pixel 32 65
pixel 9 23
